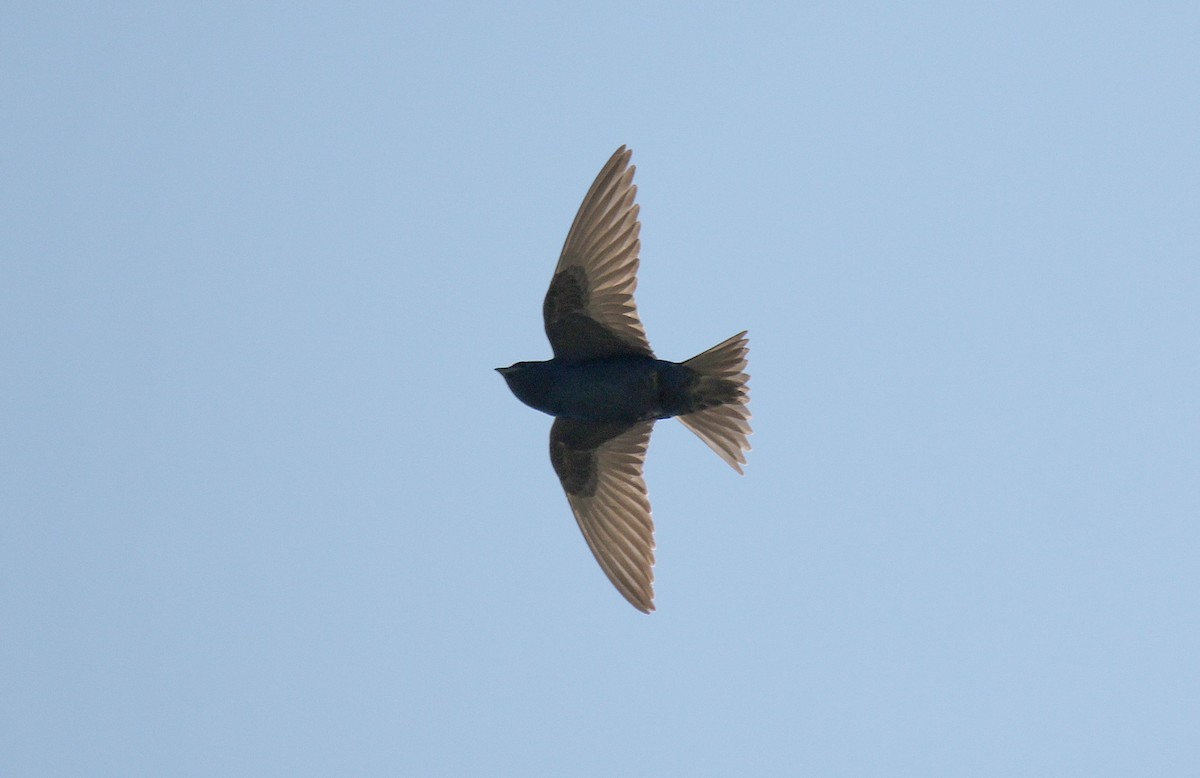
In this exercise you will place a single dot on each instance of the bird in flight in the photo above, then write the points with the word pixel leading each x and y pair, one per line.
pixel 605 388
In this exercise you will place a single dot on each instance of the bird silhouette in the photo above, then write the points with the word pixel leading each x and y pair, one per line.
pixel 605 388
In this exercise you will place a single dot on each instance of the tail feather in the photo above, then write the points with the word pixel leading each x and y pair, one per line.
pixel 724 428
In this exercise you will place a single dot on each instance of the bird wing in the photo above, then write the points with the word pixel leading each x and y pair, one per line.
pixel 589 308
pixel 600 466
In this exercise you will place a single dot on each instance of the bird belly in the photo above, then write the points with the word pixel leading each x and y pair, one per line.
pixel 605 391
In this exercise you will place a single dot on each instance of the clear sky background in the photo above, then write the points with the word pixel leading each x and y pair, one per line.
pixel 266 509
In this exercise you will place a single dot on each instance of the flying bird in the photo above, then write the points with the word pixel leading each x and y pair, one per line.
pixel 605 388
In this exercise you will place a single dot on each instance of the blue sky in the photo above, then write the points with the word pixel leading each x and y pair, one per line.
pixel 266 509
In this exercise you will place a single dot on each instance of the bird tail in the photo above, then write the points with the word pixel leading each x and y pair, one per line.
pixel 722 385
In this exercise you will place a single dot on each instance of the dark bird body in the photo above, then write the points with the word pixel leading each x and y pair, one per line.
pixel 606 388
pixel 625 388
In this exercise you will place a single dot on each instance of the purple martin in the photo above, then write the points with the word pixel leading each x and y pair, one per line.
pixel 605 388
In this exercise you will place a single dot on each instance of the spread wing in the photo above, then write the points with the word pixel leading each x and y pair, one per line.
pixel 600 466
pixel 589 308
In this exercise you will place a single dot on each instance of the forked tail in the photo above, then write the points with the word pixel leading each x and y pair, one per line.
pixel 723 381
